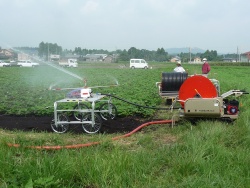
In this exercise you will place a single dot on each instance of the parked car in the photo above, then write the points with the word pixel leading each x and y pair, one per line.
pixel 27 63
pixel 4 64
pixel 138 63
pixel 69 63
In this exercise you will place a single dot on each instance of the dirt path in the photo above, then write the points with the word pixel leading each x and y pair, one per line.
pixel 40 124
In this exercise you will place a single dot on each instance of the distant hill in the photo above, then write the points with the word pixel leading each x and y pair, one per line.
pixel 175 51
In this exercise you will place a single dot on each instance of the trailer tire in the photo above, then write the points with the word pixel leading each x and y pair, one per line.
pixel 88 127
pixel 110 114
pixel 60 128
pixel 79 115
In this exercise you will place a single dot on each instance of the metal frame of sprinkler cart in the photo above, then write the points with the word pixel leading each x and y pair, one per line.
pixel 92 99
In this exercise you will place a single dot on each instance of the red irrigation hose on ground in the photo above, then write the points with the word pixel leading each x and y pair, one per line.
pixel 92 143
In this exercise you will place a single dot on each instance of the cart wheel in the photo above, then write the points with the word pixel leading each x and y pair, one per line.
pixel 88 127
pixel 60 128
pixel 79 115
pixel 111 111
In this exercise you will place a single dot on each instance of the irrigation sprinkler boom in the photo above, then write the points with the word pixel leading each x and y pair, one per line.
pixel 81 92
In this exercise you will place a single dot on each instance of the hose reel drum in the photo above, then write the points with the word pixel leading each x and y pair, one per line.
pixel 170 85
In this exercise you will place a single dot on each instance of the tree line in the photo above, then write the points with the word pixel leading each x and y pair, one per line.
pixel 45 49
pixel 209 55
pixel 159 55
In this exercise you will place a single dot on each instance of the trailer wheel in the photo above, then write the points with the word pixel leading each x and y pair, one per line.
pixel 108 111
pixel 79 115
pixel 88 127
pixel 60 128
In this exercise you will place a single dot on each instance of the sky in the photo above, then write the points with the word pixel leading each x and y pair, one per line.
pixel 221 25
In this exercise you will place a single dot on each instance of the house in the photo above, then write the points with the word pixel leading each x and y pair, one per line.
pixel 95 57
pixel 197 60
pixel 6 54
pixel 23 56
pixel 228 60
pixel 72 56
pixel 54 57
pixel 109 59
pixel 175 59
pixel 245 57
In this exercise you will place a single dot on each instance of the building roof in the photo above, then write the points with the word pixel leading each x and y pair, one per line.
pixel 246 53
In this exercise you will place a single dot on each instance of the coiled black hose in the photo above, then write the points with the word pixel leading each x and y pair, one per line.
pixel 172 81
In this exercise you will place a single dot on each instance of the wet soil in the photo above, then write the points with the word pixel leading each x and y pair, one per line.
pixel 42 124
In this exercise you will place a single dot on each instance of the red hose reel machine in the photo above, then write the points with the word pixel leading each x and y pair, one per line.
pixel 200 97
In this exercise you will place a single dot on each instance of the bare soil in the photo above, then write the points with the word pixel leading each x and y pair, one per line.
pixel 42 124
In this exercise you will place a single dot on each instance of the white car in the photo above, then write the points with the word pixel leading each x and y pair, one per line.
pixel 27 63
pixel 138 63
pixel 4 64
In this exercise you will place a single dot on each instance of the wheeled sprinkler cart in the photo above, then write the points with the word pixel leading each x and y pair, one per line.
pixel 199 97
pixel 90 118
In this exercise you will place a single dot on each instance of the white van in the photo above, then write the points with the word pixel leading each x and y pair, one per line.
pixel 138 63
pixel 69 63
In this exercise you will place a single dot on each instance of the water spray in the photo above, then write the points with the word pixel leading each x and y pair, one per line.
pixel 51 65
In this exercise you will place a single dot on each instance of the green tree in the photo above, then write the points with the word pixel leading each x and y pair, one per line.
pixel 123 55
pixel 46 49
pixel 161 55
pixel 41 49
pixel 78 51
pixel 133 53
pixel 211 55
pixel 185 57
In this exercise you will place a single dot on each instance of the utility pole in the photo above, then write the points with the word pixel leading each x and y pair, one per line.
pixel 238 54
pixel 48 51
pixel 237 58
pixel 189 54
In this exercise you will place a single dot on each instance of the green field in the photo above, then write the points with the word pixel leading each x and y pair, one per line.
pixel 209 154
pixel 25 91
